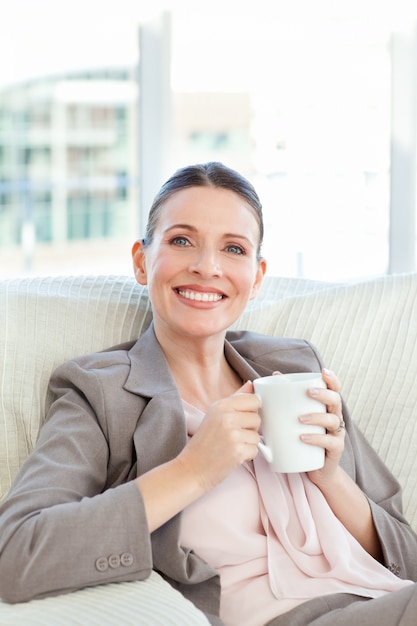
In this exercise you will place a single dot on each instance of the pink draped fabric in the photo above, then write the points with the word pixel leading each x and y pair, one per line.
pixel 275 542
pixel 310 544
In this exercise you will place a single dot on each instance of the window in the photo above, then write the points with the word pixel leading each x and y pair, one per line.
pixel 299 101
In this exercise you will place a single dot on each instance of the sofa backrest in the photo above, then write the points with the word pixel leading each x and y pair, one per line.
pixel 366 332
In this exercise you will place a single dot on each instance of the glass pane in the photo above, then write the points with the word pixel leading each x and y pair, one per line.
pixel 310 94
pixel 297 100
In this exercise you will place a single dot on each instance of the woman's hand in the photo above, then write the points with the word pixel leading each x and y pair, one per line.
pixel 227 436
pixel 343 495
pixel 332 421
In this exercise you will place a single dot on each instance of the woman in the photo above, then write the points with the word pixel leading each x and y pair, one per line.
pixel 149 454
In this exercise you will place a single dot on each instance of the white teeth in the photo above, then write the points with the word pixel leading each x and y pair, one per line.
pixel 197 295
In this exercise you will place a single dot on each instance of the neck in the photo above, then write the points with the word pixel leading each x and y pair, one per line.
pixel 200 369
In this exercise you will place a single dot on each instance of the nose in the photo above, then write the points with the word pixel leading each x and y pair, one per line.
pixel 206 263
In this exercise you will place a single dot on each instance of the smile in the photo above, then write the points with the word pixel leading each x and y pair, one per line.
pixel 202 297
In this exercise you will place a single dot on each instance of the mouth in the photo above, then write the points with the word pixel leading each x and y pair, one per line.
pixel 200 296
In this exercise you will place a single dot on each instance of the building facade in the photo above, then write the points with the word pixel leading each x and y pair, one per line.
pixel 67 158
pixel 69 162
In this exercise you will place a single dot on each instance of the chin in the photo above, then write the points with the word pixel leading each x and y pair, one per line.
pixel 204 331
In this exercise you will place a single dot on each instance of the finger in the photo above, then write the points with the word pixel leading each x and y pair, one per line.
pixel 333 445
pixel 244 398
pixel 331 380
pixel 330 398
pixel 238 411
pixel 247 387
pixel 339 428
pixel 332 423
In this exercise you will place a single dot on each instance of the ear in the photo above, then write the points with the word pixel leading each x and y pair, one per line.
pixel 260 273
pixel 139 262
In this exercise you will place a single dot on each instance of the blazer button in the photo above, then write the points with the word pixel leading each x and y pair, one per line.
pixel 126 559
pixel 102 564
pixel 114 561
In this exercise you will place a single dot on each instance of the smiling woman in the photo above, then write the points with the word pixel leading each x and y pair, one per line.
pixel 161 437
pixel 201 254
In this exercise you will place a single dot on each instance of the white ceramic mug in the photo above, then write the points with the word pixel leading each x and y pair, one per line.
pixel 283 400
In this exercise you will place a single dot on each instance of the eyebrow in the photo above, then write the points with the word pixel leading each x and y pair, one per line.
pixel 194 230
pixel 184 226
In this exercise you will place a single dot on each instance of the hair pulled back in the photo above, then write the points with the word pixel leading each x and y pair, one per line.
pixel 212 174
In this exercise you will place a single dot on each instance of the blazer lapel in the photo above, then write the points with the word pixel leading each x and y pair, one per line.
pixel 161 430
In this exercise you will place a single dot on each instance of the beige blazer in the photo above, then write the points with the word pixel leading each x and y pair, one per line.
pixel 74 518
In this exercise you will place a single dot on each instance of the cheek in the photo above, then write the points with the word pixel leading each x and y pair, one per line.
pixel 257 275
pixel 160 270
pixel 245 279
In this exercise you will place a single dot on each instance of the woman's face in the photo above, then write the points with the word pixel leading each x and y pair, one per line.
pixel 201 267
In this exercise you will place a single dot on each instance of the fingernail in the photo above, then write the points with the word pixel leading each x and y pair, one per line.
pixel 305 418
pixel 314 391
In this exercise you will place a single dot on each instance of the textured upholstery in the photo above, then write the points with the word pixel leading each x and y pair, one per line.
pixel 150 602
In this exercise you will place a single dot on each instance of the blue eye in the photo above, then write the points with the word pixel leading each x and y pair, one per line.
pixel 235 249
pixel 180 241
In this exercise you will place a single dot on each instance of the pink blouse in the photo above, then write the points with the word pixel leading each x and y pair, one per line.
pixel 275 543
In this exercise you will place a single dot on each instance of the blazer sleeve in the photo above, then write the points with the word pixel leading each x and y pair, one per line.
pixel 384 493
pixel 66 523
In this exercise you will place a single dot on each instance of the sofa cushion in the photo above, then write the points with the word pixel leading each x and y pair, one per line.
pixel 145 602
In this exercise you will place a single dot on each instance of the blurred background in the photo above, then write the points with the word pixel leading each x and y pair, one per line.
pixel 315 102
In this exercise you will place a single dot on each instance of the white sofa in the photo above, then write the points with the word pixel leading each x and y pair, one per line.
pixel 366 332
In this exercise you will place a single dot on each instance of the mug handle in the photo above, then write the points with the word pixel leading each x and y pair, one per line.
pixel 266 452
